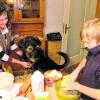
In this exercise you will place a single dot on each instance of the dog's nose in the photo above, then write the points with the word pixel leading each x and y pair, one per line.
pixel 30 48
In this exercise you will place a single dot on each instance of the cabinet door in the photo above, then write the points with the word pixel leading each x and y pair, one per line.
pixel 98 9
pixel 10 8
pixel 28 11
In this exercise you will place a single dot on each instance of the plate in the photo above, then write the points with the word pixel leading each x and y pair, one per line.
pixel 53 74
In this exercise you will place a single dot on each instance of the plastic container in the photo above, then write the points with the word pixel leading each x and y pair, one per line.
pixel 37 82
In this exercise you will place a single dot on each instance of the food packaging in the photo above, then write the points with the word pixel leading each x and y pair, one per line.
pixel 37 82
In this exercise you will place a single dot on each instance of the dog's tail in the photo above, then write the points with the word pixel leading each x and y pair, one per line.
pixel 66 60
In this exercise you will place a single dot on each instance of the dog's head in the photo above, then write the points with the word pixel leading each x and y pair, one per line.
pixel 29 43
pixel 29 46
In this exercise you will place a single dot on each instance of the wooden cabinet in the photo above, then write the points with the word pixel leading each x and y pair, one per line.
pixel 53 48
pixel 27 18
pixel 98 9
pixel 27 11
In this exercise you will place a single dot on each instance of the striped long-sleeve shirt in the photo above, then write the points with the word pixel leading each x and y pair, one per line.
pixel 5 45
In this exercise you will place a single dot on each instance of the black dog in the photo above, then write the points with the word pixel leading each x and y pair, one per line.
pixel 33 53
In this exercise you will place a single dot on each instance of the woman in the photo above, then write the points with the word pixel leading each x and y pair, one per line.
pixel 6 45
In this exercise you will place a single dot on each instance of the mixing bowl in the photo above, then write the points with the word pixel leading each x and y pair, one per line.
pixel 66 95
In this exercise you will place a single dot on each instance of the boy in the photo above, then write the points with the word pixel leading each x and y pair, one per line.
pixel 86 77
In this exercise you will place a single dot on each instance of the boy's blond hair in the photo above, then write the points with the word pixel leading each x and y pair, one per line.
pixel 91 29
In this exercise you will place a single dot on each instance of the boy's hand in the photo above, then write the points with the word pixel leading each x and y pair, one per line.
pixel 70 86
pixel 49 82
pixel 68 83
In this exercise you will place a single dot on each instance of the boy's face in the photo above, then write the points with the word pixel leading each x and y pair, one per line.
pixel 89 43
pixel 3 21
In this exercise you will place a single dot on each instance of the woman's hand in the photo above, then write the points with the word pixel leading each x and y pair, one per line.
pixel 26 64
pixel 23 63
pixel 19 52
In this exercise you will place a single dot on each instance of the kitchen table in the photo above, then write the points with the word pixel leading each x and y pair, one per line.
pixel 26 90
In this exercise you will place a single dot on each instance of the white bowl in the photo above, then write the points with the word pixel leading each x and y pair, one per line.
pixel 6 79
pixel 53 74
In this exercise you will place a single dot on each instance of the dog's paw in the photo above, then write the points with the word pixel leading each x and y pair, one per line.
pixel 32 60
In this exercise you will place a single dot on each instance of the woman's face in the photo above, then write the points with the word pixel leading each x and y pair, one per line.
pixel 3 21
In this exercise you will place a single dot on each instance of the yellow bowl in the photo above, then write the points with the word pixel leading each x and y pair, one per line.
pixel 64 96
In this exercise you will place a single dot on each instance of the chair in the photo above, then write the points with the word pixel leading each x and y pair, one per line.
pixel 6 68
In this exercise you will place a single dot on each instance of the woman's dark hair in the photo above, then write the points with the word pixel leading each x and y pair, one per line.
pixel 4 9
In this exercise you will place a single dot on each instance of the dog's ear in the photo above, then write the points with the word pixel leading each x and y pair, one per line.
pixel 21 44
pixel 37 42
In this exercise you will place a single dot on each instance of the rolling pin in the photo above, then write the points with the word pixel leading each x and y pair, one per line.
pixel 30 96
pixel 24 87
